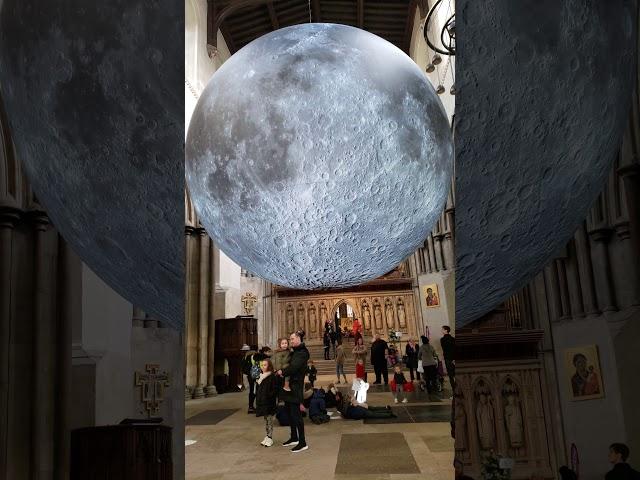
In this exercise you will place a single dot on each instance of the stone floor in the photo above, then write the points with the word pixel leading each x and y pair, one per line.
pixel 227 444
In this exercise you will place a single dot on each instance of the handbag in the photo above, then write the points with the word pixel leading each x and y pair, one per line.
pixel 420 368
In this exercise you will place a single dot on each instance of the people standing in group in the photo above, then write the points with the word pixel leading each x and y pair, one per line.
pixel 280 360
pixel 399 380
pixel 251 368
pixel 448 344
pixel 618 456
pixel 312 373
pixel 266 402
pixel 326 344
pixel 356 328
pixel 296 372
pixel 427 355
pixel 379 352
pixel 341 356
pixel 411 356
pixel 360 351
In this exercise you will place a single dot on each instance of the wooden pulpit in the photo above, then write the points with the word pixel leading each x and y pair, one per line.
pixel 122 452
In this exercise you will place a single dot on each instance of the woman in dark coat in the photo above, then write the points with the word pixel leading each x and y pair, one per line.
pixel 411 352
pixel 296 371
pixel 266 405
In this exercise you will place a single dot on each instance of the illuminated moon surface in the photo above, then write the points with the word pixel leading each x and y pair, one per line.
pixel 544 94
pixel 319 156
pixel 95 105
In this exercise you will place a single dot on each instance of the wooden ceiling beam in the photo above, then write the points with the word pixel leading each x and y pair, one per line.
pixel 273 16
pixel 360 13
pixel 228 40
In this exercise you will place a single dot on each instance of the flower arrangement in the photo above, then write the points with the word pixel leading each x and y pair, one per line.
pixel 491 470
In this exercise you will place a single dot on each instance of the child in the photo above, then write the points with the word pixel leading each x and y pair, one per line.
pixel 312 372
pixel 266 399
pixel 398 378
pixel 360 373
pixel 281 360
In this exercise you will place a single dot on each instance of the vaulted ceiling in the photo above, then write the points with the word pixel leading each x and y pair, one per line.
pixel 241 21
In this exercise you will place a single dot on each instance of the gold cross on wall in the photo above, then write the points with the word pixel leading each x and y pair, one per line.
pixel 152 386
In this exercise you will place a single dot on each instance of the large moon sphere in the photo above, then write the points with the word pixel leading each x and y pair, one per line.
pixel 94 99
pixel 319 156
pixel 544 90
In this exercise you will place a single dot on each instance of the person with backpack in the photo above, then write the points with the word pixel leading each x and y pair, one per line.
pixel 251 368
pixel 296 371
pixel 266 399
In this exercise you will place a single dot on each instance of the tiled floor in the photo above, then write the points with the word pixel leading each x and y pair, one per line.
pixel 228 448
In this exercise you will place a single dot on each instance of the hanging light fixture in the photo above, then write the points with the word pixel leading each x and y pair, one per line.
pixel 440 89
pixel 431 68
pixel 437 59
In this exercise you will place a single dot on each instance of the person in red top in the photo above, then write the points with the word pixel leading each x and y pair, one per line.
pixel 360 372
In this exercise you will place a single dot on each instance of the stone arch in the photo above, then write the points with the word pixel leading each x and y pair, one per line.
pixel 344 301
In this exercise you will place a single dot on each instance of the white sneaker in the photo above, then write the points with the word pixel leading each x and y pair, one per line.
pixel 268 442
pixel 395 400
pixel 404 400
pixel 264 441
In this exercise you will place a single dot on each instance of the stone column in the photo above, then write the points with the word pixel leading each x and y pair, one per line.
pixel 449 253
pixel 437 244
pixel 138 317
pixel 191 334
pixel 631 177
pixel 42 441
pixel 585 269
pixel 563 289
pixel 9 217
pixel 206 310
pixel 432 267
pixel 67 298
pixel 600 258
pixel 203 321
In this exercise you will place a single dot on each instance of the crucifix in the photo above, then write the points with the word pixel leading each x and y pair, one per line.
pixel 152 385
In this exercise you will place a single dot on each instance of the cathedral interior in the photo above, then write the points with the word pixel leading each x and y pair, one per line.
pixel 546 378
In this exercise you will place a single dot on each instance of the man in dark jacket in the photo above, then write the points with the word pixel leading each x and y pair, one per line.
pixel 379 350
pixel 448 344
pixel 618 455
pixel 296 372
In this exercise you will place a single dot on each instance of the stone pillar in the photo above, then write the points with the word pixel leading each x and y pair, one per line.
pixel 552 290
pixel 585 269
pixel 42 441
pixel 449 253
pixel 67 298
pixel 206 316
pixel 191 332
pixel 203 325
pixel 437 245
pixel 563 288
pixel 9 217
pixel 631 178
pixel 138 317
pixel 600 258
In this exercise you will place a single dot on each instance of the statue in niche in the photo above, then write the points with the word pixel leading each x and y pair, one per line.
pixel 402 318
pixel 366 315
pixel 377 314
pixel 323 313
pixel 389 314
pixel 460 422
pixel 312 318
pixel 301 317
pixel 485 417
pixel 290 319
pixel 513 415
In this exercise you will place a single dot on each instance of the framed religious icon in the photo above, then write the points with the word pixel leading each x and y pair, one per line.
pixel 584 378
pixel 431 295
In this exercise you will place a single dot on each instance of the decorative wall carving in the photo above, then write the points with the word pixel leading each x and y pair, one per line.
pixel 500 407
pixel 314 309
